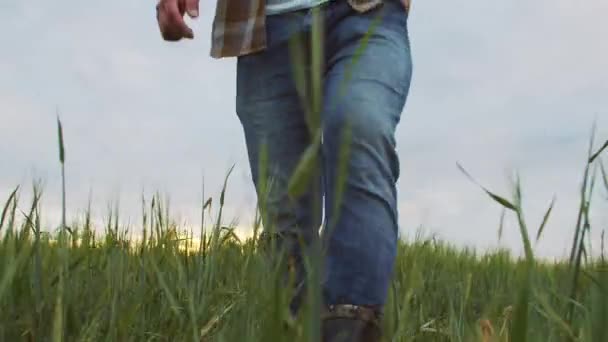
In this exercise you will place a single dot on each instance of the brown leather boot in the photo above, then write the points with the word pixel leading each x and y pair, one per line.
pixel 350 323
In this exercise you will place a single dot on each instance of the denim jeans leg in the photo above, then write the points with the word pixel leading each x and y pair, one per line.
pixel 272 117
pixel 362 243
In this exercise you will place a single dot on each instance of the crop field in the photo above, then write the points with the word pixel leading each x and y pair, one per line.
pixel 85 283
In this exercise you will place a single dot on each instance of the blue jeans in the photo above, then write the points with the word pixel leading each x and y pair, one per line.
pixel 362 245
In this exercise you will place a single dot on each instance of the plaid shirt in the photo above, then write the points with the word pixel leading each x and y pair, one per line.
pixel 239 25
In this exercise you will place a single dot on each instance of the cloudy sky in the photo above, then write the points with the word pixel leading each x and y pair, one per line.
pixel 499 86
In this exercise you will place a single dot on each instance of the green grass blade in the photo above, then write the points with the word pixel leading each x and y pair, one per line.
pixel 317 68
pixel 62 161
pixel 597 154
pixel 581 208
pixel 604 176
pixel 502 201
pixel 577 266
pixel 522 224
pixel 300 64
pixel 60 141
pixel 545 219
pixel 58 321
pixel 341 175
pixel 308 164
pixel 207 203
pixel 218 225
pixel 603 246
pixel 519 330
pixel 551 314
pixel 165 287
pixel 501 225
pixel 11 198
pixel 579 220
pixel 264 186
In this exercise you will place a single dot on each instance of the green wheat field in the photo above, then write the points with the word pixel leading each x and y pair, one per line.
pixel 86 283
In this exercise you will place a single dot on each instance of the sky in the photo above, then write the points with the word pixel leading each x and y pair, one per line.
pixel 500 87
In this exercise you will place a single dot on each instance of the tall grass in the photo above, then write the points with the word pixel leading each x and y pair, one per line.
pixel 89 286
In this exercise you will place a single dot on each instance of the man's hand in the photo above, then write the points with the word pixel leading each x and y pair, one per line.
pixel 170 17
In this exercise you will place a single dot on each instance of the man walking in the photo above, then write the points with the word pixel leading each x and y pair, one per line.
pixel 362 243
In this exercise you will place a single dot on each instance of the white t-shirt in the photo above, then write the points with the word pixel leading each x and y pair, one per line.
pixel 283 6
